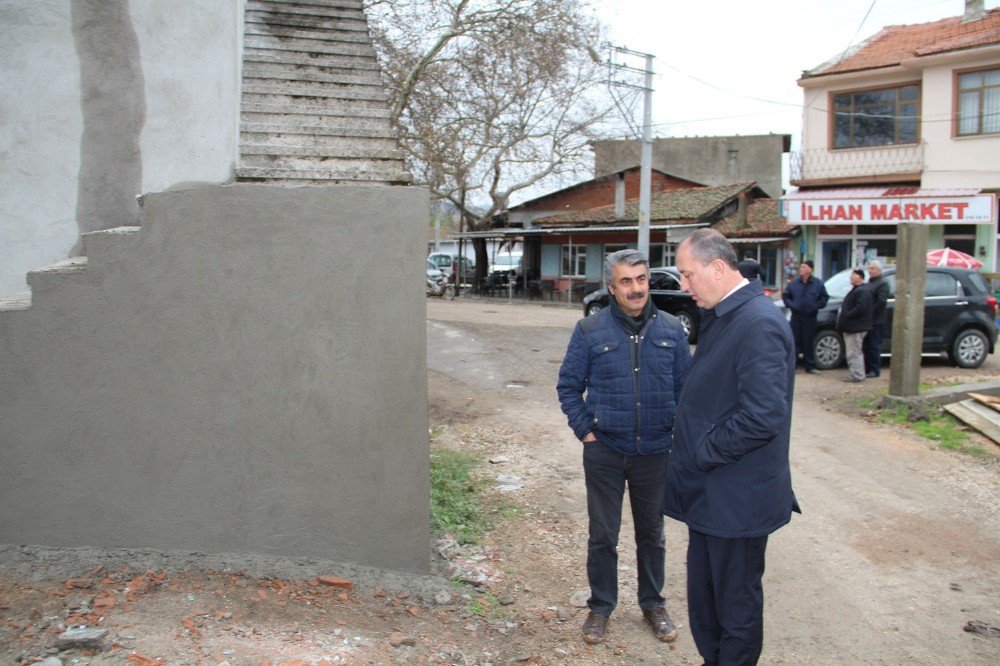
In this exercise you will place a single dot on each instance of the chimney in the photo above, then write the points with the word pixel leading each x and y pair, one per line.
pixel 741 211
pixel 974 10
pixel 619 195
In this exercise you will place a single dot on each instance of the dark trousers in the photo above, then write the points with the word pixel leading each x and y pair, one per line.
pixel 872 349
pixel 726 598
pixel 607 472
pixel 803 331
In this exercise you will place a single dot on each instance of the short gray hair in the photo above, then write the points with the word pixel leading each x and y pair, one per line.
pixel 876 263
pixel 626 257
pixel 707 245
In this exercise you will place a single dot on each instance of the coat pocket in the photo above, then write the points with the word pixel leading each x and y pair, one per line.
pixel 606 360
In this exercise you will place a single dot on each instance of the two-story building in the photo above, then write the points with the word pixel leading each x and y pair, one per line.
pixel 904 127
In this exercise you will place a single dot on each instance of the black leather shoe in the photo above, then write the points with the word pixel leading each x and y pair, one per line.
pixel 595 627
pixel 659 620
pixel 869 375
pixel 812 371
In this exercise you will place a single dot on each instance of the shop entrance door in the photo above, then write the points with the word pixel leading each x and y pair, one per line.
pixel 836 256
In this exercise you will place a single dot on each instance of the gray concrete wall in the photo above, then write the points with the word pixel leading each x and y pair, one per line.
pixel 102 100
pixel 712 160
pixel 246 373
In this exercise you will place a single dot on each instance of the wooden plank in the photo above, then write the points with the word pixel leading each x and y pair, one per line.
pixel 981 418
pixel 988 400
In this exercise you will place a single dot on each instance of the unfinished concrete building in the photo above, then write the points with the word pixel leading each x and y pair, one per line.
pixel 204 374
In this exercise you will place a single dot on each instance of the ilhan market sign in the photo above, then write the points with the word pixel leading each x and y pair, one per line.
pixel 973 209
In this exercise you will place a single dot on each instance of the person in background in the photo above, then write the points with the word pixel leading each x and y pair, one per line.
pixel 618 386
pixel 728 473
pixel 805 296
pixel 872 346
pixel 749 268
pixel 854 321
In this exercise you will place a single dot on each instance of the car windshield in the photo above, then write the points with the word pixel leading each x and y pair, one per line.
pixel 838 285
pixel 506 259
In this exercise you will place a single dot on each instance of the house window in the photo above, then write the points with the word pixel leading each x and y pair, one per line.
pixel 883 117
pixel 574 260
pixel 979 102
pixel 661 254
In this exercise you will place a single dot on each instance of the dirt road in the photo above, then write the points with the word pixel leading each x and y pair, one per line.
pixel 898 548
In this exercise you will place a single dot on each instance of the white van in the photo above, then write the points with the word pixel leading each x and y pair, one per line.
pixel 505 263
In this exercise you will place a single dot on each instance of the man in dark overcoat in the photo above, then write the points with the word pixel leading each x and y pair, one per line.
pixel 805 296
pixel 872 345
pixel 853 322
pixel 728 475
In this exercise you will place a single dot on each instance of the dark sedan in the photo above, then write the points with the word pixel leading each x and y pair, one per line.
pixel 665 290
pixel 959 317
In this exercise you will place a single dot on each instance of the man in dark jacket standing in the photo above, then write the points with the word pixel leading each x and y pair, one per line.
pixel 805 296
pixel 872 346
pixel 749 268
pixel 854 322
pixel 728 476
pixel 630 360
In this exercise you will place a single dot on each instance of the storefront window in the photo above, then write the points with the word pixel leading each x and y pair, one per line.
pixel 661 255
pixel 574 260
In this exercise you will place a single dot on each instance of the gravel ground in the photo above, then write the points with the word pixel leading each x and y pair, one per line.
pixel 895 554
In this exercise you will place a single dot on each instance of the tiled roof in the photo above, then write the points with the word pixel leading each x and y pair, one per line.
pixel 679 206
pixel 763 221
pixel 896 43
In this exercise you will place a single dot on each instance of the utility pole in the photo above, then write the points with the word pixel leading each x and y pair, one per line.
pixel 645 166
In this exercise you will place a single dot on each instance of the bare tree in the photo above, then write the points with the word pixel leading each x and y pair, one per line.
pixel 491 97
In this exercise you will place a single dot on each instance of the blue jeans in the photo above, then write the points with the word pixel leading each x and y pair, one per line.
pixel 607 472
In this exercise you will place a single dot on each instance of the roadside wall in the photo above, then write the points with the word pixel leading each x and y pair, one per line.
pixel 245 373
pixel 102 100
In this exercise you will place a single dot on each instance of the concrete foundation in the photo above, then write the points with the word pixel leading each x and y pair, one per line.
pixel 246 373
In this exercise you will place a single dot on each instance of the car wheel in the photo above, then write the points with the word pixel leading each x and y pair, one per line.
pixel 969 348
pixel 828 350
pixel 594 308
pixel 687 321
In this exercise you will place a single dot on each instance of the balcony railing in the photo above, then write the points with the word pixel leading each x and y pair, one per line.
pixel 856 164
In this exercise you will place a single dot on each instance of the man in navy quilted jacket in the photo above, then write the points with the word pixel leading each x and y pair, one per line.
pixel 618 386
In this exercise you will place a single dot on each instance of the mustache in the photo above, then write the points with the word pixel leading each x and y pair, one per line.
pixel 635 294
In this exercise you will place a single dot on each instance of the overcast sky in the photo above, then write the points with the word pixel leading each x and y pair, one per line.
pixel 713 57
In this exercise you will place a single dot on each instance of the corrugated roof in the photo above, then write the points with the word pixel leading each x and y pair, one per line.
pixel 895 43
pixel 691 204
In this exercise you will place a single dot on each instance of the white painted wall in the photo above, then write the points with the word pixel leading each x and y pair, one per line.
pixel 953 161
pixel 948 161
pixel 40 124
pixel 191 59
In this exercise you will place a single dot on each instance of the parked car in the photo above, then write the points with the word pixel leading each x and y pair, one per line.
pixel 959 317
pixel 665 290
pixel 506 263
pixel 444 261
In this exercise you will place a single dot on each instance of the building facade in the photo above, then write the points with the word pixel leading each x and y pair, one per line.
pixel 910 117
pixel 710 160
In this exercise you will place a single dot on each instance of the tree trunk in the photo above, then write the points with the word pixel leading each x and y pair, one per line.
pixel 482 262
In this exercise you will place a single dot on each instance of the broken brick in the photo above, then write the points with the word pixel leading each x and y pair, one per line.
pixel 334 581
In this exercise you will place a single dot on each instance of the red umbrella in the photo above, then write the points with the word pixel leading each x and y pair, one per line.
pixel 949 257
